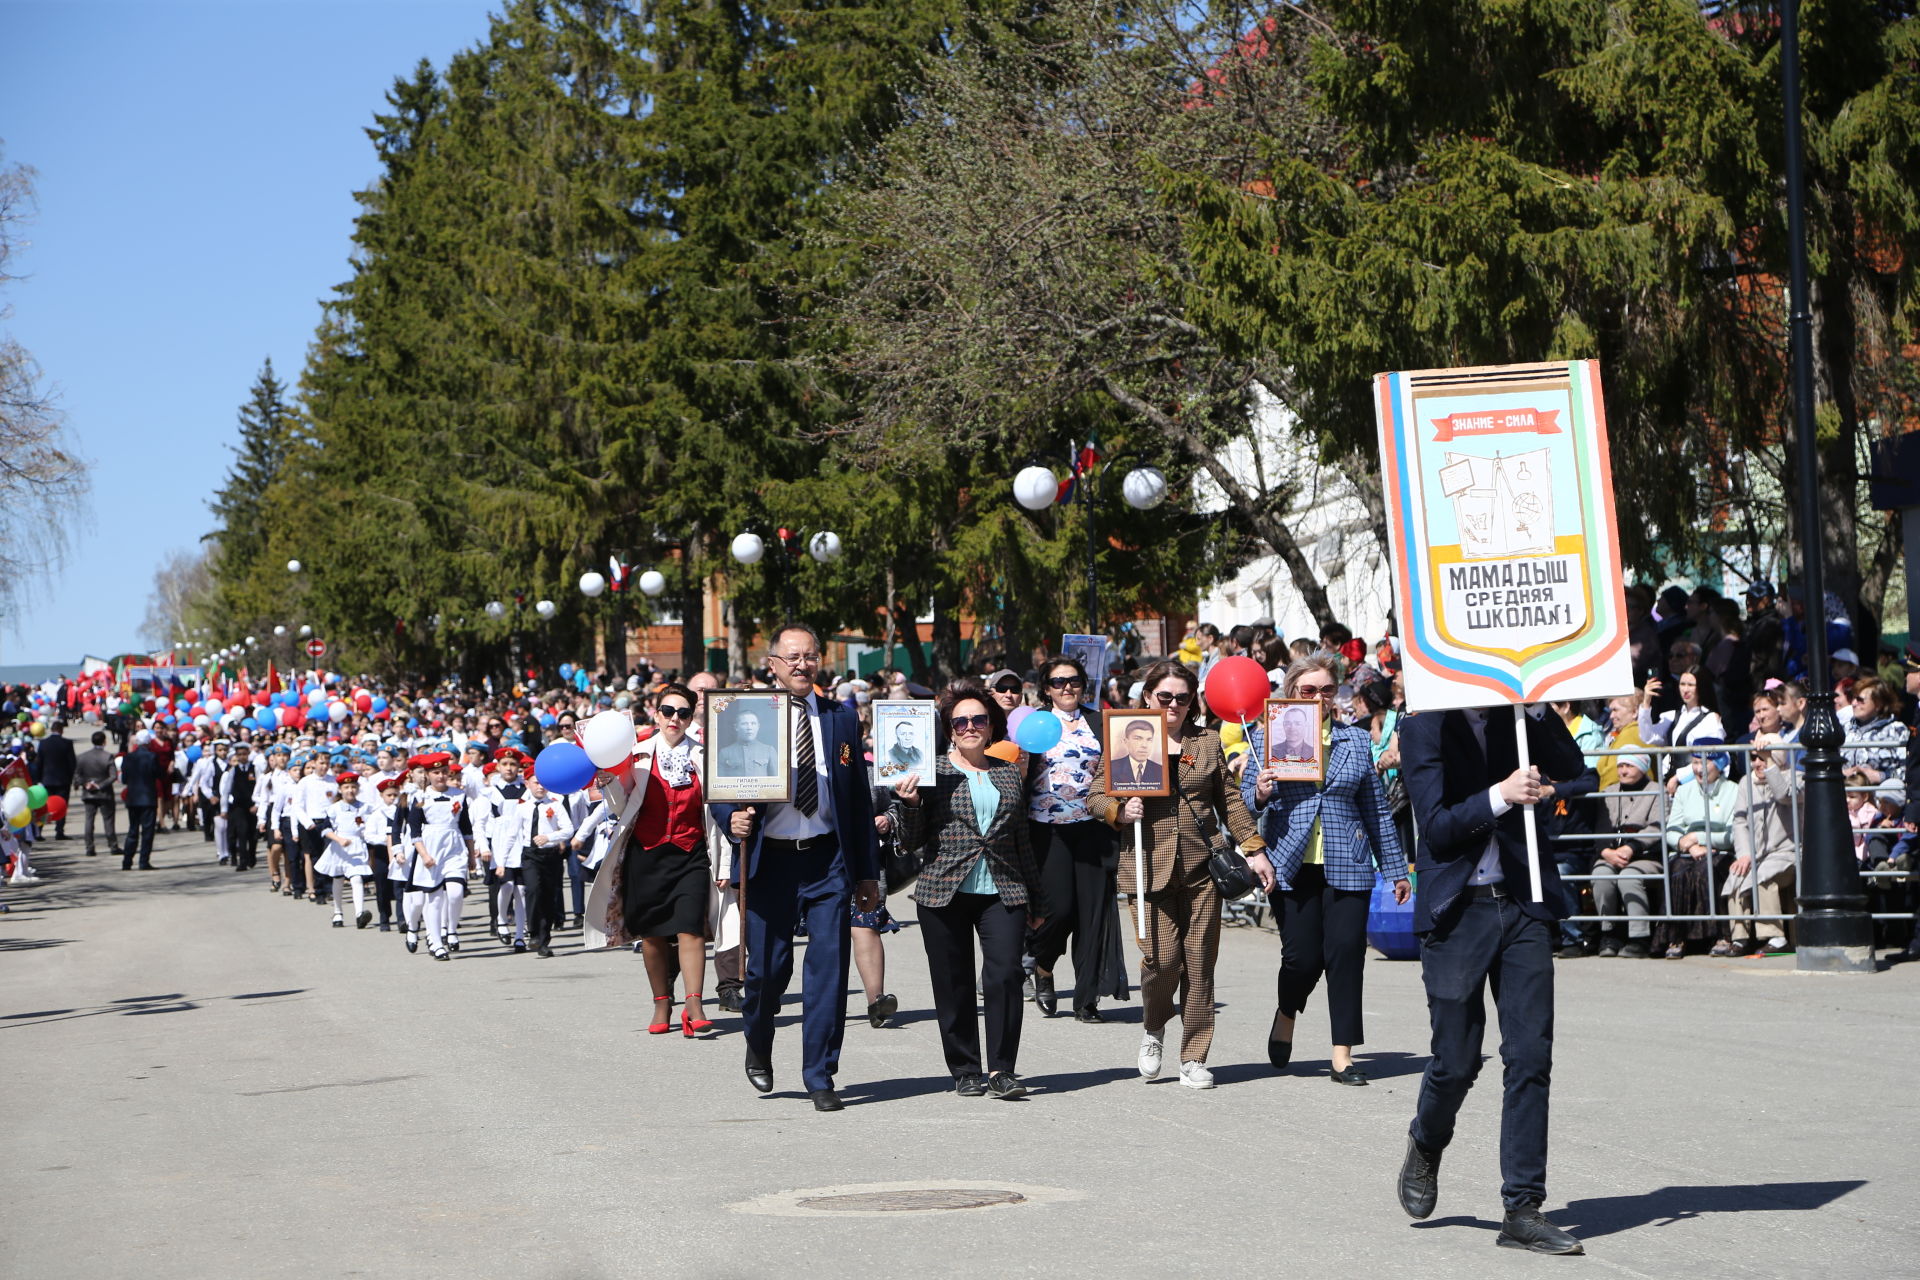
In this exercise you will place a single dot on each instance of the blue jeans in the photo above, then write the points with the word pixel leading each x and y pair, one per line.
pixel 1491 942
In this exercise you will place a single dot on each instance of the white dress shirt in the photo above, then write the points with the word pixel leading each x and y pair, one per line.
pixel 785 821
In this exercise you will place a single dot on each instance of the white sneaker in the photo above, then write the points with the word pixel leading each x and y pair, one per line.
pixel 1150 1048
pixel 1195 1075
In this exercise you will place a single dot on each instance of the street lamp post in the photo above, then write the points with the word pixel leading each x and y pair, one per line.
pixel 1834 933
pixel 1142 488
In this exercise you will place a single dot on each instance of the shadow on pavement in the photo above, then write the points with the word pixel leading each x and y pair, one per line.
pixel 1605 1215
pixel 131 1007
pixel 893 1090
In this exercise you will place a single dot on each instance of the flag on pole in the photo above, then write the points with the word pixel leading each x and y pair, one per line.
pixel 1079 462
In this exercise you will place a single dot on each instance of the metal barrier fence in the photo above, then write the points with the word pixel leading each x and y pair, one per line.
pixel 1251 910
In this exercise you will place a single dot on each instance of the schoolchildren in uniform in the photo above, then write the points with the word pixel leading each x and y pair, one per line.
pixel 345 859
pixel 441 831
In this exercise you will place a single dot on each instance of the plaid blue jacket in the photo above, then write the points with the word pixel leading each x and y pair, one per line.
pixel 1356 830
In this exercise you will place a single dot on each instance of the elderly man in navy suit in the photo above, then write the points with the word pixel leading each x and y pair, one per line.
pixel 813 858
pixel 1478 925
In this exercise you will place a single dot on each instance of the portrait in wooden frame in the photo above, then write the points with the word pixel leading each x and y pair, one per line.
pixel 1136 753
pixel 1295 747
pixel 747 740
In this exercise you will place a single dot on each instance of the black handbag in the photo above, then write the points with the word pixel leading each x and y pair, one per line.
pixel 901 866
pixel 1231 874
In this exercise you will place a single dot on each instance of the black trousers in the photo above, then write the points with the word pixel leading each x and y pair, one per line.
pixel 1078 874
pixel 65 793
pixel 139 835
pixel 209 810
pixel 948 933
pixel 1323 930
pixel 243 836
pixel 103 807
pixel 1491 942
pixel 384 888
pixel 543 872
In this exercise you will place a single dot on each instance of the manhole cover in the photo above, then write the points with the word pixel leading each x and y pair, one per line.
pixel 883 1199
pixel 915 1200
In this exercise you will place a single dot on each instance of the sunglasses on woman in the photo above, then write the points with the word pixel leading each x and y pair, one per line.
pixel 1173 699
pixel 971 724
pixel 1066 682
pixel 677 713
pixel 1314 690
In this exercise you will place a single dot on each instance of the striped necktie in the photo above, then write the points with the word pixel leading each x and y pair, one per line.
pixel 806 791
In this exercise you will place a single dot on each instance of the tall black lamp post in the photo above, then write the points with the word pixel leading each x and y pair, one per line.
pixel 1036 489
pixel 1834 931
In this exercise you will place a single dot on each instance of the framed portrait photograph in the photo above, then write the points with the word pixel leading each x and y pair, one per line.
pixel 903 739
pixel 1295 749
pixel 1092 653
pixel 748 737
pixel 1136 754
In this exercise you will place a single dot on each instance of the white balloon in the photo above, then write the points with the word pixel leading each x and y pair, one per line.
pixel 592 584
pixel 825 546
pixel 293 566
pixel 14 803
pixel 653 582
pixel 545 608
pixel 279 631
pixel 337 712
pixel 748 548
pixel 1144 487
pixel 1035 488
pixel 607 738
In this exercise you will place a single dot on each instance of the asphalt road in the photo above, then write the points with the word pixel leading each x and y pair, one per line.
pixel 207 1081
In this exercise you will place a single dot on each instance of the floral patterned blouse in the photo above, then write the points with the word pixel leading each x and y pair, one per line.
pixel 1063 777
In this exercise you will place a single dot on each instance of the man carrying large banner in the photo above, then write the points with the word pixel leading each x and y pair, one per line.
pixel 1506 574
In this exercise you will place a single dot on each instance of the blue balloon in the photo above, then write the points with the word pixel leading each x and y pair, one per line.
pixel 379 703
pixel 1038 732
pixel 548 720
pixel 563 768
pixel 310 687
pixel 566 671
pixel 265 720
pixel 412 723
pixel 193 753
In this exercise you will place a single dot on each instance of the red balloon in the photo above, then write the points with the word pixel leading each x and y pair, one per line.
pixel 1237 689
pixel 363 701
pixel 56 808
pixel 192 696
pixel 262 699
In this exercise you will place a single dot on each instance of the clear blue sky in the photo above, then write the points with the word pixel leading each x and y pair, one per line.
pixel 197 163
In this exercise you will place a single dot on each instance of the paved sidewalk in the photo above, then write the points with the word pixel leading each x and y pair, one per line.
pixel 208 1081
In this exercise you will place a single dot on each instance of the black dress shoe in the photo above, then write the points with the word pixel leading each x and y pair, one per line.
pixel 730 1001
pixel 546 952
pixel 1352 1075
pixel 826 1100
pixel 1419 1180
pixel 1524 1228
pixel 1006 1086
pixel 1089 1014
pixel 1044 997
pixel 759 1073
pixel 881 1010
pixel 970 1084
pixel 1279 1053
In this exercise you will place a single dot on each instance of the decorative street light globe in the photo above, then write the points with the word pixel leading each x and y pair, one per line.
pixel 293 566
pixel 592 584
pixel 251 642
pixel 1035 488
pixel 748 548
pixel 545 608
pixel 1144 487
pixel 495 609
pixel 280 630
pixel 305 630
pixel 653 582
pixel 825 546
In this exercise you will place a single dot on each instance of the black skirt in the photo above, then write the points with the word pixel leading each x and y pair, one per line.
pixel 665 891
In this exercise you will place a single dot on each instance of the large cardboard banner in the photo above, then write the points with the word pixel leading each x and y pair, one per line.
pixel 1506 554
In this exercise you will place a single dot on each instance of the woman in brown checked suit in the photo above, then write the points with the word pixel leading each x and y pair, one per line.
pixel 980 878
pixel 1183 907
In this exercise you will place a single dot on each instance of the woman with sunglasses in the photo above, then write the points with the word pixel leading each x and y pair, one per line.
pixel 1075 852
pixel 1326 841
pixel 980 880
pixel 1178 832
pixel 660 888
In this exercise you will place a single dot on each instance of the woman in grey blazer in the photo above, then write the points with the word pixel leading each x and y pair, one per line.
pixel 980 879
pixel 1327 842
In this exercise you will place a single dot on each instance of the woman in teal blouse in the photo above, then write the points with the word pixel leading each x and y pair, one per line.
pixel 979 880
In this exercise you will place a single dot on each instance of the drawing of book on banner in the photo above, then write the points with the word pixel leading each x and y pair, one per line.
pixel 1503 506
pixel 1501 523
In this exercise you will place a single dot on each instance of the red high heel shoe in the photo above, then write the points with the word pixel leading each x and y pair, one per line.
pixel 688 1027
pixel 661 1028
